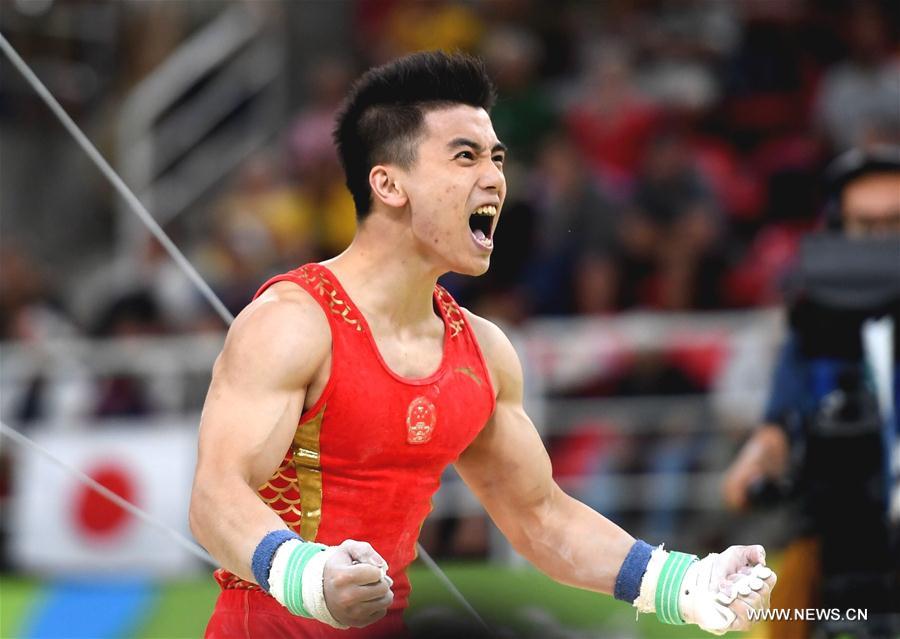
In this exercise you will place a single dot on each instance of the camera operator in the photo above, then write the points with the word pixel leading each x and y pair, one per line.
pixel 829 432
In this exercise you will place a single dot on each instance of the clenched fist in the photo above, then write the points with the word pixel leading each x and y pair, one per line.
pixel 719 591
pixel 357 588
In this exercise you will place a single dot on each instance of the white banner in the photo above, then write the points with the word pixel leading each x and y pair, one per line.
pixel 61 525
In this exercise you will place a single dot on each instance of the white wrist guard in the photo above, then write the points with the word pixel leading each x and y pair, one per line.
pixel 646 600
pixel 661 584
pixel 296 580
pixel 699 600
pixel 680 589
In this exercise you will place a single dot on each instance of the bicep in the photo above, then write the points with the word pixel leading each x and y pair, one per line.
pixel 246 427
pixel 256 395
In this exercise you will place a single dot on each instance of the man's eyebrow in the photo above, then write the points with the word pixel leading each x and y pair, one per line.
pixel 458 142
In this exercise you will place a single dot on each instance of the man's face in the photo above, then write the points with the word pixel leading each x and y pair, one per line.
pixel 870 205
pixel 456 188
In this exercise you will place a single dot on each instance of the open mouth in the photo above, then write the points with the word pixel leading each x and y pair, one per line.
pixel 481 223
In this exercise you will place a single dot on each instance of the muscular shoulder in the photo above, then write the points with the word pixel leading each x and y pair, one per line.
pixel 499 354
pixel 281 337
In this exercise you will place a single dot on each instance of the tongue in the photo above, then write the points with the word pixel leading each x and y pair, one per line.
pixel 479 235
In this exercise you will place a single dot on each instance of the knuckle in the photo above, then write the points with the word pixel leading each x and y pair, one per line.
pixel 372 574
pixel 363 574
pixel 340 579
pixel 346 600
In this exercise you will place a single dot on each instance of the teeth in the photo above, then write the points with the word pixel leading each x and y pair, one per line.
pixel 486 210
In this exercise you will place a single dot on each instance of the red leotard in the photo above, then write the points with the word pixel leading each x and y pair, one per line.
pixel 366 457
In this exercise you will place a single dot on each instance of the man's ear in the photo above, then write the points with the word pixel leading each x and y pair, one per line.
pixel 383 180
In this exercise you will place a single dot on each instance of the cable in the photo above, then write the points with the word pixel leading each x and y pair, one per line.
pixel 134 203
pixel 180 539
pixel 138 209
pixel 444 579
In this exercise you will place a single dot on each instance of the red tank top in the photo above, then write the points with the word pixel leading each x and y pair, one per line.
pixel 368 455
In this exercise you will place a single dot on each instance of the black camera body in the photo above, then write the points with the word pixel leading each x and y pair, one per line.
pixel 841 452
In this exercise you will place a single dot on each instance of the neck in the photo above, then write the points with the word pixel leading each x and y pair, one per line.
pixel 386 274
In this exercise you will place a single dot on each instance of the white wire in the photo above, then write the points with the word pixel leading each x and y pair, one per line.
pixel 138 209
pixel 444 579
pixel 116 181
pixel 180 539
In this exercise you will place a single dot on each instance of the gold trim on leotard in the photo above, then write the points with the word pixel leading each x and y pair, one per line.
pixel 281 493
pixel 451 311
pixel 323 286
pixel 467 370
pixel 308 466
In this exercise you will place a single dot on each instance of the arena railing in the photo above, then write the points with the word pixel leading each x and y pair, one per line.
pixel 213 102
pixel 651 461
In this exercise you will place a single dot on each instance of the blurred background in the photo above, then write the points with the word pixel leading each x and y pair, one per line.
pixel 665 160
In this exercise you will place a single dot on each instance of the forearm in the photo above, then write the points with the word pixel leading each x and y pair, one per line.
pixel 577 546
pixel 229 519
pixel 571 543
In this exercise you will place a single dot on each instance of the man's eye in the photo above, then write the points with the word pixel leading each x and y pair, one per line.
pixel 499 158
pixel 465 154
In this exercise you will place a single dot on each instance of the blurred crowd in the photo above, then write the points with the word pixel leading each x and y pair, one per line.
pixel 663 155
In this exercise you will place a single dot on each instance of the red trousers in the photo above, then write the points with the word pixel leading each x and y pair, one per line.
pixel 253 614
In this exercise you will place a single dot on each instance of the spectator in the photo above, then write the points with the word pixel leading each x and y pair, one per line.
pixel 823 413
pixel 671 237
pixel 611 121
pixel 123 394
pixel 859 99
pixel 524 114
pixel 572 268
pixel 31 314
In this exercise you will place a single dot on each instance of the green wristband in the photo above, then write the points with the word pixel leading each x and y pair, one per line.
pixel 668 586
pixel 293 577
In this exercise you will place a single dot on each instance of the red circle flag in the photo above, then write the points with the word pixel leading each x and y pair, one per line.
pixel 95 515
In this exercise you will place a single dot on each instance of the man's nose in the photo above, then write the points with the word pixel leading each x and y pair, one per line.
pixel 492 178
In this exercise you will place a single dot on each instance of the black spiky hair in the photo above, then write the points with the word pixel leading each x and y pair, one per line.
pixel 383 115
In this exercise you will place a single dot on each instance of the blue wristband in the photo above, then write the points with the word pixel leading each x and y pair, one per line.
pixel 265 552
pixel 628 581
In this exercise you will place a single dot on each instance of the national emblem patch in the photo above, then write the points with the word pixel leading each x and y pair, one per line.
pixel 421 417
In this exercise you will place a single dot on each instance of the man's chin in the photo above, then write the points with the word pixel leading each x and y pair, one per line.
pixel 476 268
